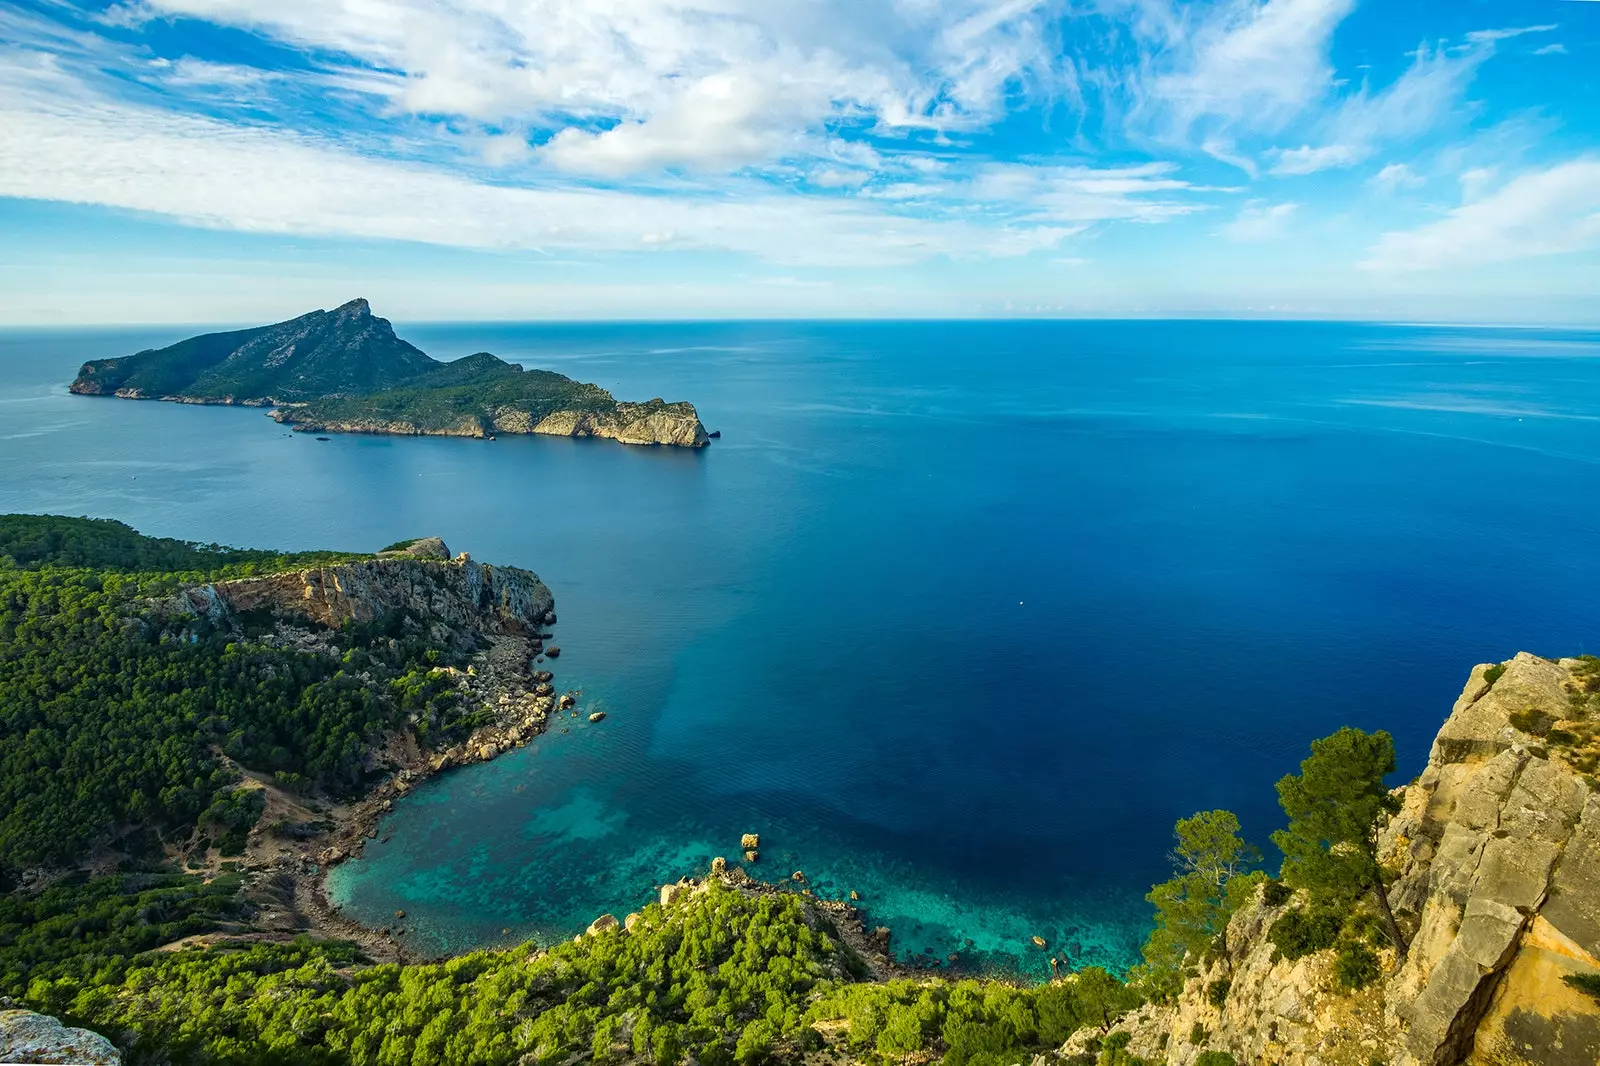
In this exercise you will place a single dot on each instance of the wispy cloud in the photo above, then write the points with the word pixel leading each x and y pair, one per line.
pixel 1309 160
pixel 1541 212
pixel 1260 222
pixel 1397 176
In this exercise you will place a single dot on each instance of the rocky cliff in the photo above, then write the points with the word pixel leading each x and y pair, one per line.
pixel 1497 852
pixel 26 1037
pixel 460 595
pixel 652 423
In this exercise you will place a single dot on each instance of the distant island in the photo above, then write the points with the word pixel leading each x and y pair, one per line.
pixel 345 371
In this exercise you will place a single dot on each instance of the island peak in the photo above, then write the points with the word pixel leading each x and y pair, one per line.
pixel 345 371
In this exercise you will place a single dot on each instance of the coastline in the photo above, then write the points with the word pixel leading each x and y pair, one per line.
pixel 651 424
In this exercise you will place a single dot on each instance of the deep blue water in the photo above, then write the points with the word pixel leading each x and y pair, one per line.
pixel 961 616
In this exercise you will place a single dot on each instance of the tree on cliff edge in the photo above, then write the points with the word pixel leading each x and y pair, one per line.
pixel 1208 884
pixel 1337 805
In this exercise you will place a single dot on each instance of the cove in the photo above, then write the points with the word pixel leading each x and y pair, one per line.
pixel 961 616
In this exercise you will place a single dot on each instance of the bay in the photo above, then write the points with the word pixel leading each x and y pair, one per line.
pixel 960 616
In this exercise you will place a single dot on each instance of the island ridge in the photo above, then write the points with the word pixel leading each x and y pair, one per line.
pixel 345 371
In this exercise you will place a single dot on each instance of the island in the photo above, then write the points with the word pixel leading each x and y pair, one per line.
pixel 345 371
pixel 191 735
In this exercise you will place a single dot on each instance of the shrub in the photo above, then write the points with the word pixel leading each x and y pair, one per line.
pixel 1216 1058
pixel 1198 1034
pixel 1276 893
pixel 1534 722
pixel 1357 965
pixel 1494 673
pixel 1586 982
pixel 1217 992
pixel 1302 932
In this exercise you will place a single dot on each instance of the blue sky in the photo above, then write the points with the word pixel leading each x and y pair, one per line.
pixel 241 160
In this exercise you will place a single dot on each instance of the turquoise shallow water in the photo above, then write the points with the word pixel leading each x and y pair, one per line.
pixel 961 616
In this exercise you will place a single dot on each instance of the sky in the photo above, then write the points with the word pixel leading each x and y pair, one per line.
pixel 173 161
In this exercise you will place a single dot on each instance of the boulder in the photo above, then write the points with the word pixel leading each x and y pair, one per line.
pixel 752 856
pixel 798 877
pixel 631 920
pixel 719 866
pixel 598 716
pixel 552 652
pixel 750 841
pixel 39 1038
pixel 602 924
pixel 1039 942
pixel 568 700
pixel 855 897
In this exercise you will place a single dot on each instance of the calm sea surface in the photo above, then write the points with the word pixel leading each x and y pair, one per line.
pixel 959 616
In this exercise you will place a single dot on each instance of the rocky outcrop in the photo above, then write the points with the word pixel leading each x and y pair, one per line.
pixel 456 594
pixel 654 423
pixel 1497 851
pixel 39 1038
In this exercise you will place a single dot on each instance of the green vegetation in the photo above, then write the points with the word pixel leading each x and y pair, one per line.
pixel 1216 1058
pixel 1494 673
pixel 1356 966
pixel 343 366
pixel 31 542
pixel 125 724
pixel 1210 881
pixel 1305 931
pixel 1336 806
pixel 979 1023
pixel 448 397
pixel 720 978
pixel 1114 1052
pixel 73 929
pixel 1585 982
pixel 322 353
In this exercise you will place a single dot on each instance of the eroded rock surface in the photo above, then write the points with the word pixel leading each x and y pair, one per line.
pixel 38 1038
pixel 1497 846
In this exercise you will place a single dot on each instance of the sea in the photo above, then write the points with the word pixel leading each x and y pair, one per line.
pixel 958 616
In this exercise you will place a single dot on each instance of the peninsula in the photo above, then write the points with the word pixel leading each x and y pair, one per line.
pixel 345 371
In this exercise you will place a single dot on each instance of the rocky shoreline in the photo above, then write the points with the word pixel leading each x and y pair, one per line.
pixel 652 424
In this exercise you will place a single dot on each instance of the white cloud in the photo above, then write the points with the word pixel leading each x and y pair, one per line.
pixel 60 141
pixel 1259 222
pixel 1540 212
pixel 1259 64
pixel 1396 176
pixel 626 86
pixel 1551 50
pixel 1309 160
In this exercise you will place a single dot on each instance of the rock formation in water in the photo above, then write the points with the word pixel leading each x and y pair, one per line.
pixel 345 371
pixel 1497 849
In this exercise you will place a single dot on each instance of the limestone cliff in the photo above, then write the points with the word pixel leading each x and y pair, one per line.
pixel 457 594
pixel 1497 851
pixel 652 423
pixel 26 1037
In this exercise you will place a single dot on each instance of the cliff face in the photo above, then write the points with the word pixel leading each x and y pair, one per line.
pixel 1497 846
pixel 458 594
pixel 653 423
pixel 29 1037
